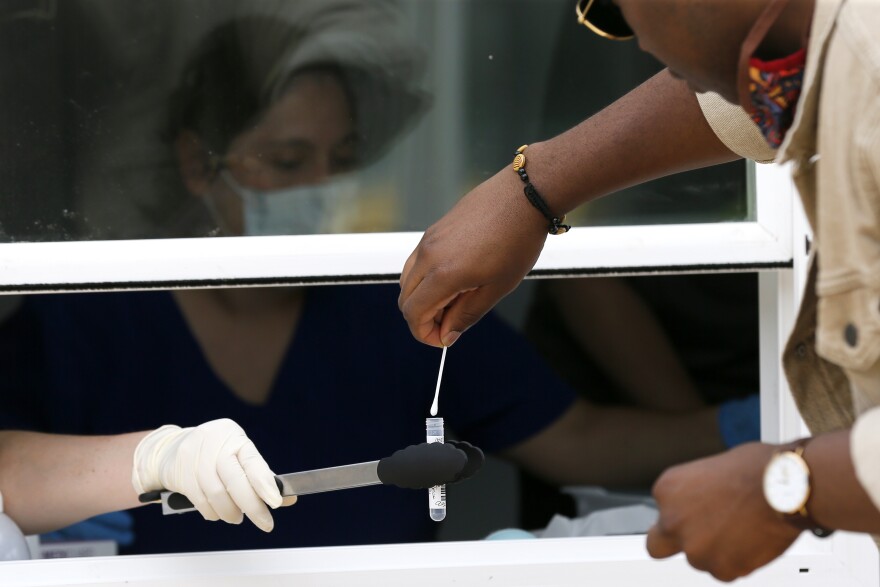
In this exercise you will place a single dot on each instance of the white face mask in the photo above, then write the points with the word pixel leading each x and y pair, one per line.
pixel 295 210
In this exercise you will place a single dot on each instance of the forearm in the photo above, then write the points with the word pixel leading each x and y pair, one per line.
pixel 655 130
pixel 614 326
pixel 49 481
pixel 617 447
pixel 463 265
pixel 837 499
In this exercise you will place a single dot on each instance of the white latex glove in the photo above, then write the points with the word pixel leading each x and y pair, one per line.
pixel 215 465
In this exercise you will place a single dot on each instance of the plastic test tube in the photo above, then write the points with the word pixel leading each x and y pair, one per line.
pixel 436 494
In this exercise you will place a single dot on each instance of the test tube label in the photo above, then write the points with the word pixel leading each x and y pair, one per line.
pixel 437 496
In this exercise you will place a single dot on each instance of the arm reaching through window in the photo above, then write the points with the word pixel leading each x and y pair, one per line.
pixel 50 481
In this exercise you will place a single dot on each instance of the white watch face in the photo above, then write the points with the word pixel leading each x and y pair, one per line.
pixel 787 483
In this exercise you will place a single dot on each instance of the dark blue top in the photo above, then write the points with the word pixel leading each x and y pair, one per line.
pixel 354 386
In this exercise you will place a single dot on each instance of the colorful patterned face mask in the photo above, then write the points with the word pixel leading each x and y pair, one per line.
pixel 774 89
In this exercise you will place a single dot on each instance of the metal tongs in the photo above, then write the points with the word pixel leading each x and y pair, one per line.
pixel 418 466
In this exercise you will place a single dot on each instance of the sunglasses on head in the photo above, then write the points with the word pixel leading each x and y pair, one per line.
pixel 604 18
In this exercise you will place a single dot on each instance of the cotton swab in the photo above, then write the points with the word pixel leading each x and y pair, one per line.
pixel 439 377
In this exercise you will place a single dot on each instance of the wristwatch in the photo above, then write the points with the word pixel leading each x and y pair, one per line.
pixel 787 488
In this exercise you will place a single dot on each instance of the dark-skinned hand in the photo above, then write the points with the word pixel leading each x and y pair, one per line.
pixel 713 510
pixel 470 259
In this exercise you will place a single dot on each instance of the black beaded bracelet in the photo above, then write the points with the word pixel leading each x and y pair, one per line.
pixel 556 223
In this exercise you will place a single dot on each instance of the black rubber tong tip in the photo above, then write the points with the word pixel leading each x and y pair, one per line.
pixel 420 466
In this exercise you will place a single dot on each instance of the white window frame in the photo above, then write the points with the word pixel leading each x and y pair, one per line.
pixel 764 243
pixel 567 562
pixel 773 243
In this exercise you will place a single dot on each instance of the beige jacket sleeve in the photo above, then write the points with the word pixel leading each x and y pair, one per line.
pixel 865 446
pixel 735 128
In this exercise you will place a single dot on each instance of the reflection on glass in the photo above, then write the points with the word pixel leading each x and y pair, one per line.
pixel 135 98
pixel 117 104
pixel 261 136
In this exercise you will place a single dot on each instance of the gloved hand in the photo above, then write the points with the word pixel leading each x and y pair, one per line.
pixel 215 465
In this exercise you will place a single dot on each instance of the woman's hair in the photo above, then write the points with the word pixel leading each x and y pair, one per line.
pixel 242 66
pixel 234 77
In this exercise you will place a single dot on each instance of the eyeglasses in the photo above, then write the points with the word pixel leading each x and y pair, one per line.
pixel 604 18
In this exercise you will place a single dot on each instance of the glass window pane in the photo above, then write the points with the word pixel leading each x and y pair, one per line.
pixel 534 72
pixel 184 118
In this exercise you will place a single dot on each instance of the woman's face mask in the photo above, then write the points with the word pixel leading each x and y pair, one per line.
pixel 295 210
